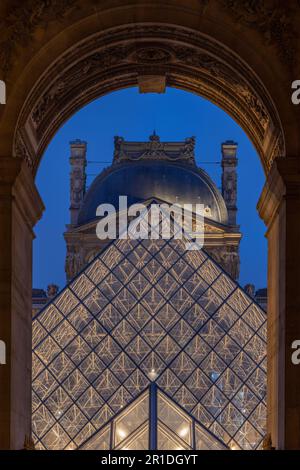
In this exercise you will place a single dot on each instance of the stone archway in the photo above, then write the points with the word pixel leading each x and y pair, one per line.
pixel 127 56
pixel 77 51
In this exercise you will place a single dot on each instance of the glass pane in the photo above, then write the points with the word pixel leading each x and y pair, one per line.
pixel 169 441
pixel 203 441
pixel 174 418
pixel 131 418
pixel 137 441
pixel 100 441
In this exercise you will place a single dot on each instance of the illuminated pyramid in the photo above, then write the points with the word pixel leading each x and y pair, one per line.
pixel 144 312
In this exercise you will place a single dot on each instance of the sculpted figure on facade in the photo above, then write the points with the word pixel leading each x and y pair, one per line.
pixel 74 261
pixel 188 149
pixel 228 257
pixel 118 151
pixel 77 186
pixel 230 188
pixel 77 177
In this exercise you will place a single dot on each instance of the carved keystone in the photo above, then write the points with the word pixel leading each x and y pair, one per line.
pixel 152 83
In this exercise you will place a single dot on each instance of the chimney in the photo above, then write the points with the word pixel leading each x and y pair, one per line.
pixel 77 178
pixel 229 179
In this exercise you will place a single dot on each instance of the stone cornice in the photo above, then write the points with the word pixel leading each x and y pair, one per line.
pixel 154 149
pixel 27 197
pixel 283 182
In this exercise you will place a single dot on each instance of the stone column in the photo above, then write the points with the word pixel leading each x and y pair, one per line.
pixel 279 207
pixel 20 208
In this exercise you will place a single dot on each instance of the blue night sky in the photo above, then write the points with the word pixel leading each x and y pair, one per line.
pixel 175 115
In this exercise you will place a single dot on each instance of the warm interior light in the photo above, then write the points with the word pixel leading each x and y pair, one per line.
pixel 183 431
pixel 121 433
pixel 233 447
pixel 71 447
pixel 152 374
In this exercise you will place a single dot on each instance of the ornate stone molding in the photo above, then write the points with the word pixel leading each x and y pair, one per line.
pixel 153 55
pixel 23 150
pixel 154 150
pixel 22 19
pixel 282 183
pixel 74 261
pixel 109 61
pixel 273 22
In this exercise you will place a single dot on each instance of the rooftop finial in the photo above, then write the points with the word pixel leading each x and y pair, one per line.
pixel 154 137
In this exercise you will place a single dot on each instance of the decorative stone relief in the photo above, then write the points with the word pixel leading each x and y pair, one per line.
pixel 254 104
pixel 274 23
pixel 21 150
pixel 154 149
pixel 21 21
pixel 74 261
pixel 228 257
pixel 230 188
pixel 77 178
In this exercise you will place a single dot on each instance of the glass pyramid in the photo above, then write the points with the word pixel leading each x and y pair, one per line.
pixel 142 312
pixel 153 421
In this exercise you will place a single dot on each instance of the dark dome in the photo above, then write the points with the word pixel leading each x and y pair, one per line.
pixel 143 180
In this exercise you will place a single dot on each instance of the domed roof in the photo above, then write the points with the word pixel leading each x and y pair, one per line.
pixel 156 175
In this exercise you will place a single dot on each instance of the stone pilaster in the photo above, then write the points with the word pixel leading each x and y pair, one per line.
pixel 77 178
pixel 229 179
pixel 279 207
pixel 20 208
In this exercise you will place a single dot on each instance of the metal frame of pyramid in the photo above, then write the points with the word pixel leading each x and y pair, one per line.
pixel 153 421
pixel 148 311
